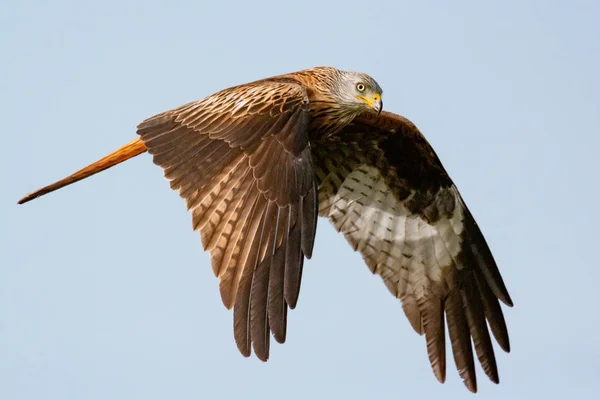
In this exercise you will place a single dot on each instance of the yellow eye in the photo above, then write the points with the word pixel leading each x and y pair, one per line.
pixel 360 87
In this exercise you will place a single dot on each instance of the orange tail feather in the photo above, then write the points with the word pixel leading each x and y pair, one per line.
pixel 130 150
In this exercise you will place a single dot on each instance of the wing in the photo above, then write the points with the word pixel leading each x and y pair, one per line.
pixel 242 161
pixel 383 187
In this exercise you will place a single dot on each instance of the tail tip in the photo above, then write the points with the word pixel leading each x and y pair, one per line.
pixel 27 197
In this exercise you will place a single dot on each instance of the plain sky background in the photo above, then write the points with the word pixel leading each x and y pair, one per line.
pixel 105 292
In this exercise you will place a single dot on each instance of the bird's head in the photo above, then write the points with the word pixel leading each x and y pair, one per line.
pixel 361 91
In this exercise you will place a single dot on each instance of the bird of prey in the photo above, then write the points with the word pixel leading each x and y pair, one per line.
pixel 259 162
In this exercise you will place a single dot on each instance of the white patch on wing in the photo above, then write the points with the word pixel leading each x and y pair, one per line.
pixel 403 248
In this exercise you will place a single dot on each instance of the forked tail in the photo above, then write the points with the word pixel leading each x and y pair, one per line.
pixel 130 150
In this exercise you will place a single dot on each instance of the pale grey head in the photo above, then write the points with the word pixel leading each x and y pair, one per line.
pixel 358 89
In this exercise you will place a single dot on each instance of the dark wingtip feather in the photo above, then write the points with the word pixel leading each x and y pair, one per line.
pixel 241 331
pixel 295 293
pixel 460 338
pixel 508 301
pixel 433 325
pixel 259 319
pixel 412 312
pixel 309 210
pixel 241 309
pixel 277 306
pixel 493 313
pixel 479 330
pixel 484 258
pixel 471 385
pixel 294 262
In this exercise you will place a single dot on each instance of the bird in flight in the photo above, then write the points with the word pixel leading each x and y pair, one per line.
pixel 259 162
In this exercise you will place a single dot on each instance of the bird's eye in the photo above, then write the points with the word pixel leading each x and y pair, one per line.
pixel 360 87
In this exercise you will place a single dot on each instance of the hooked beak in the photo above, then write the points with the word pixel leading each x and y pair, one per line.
pixel 375 103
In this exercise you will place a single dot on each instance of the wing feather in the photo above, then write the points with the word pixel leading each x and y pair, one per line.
pixel 242 161
pixel 293 259
pixel 383 187
pixel 277 307
pixel 458 329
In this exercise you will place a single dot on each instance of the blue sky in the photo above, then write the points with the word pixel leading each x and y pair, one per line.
pixel 105 291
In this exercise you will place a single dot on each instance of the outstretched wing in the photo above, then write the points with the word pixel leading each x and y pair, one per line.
pixel 242 161
pixel 383 187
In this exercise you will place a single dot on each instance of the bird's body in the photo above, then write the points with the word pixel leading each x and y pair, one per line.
pixel 256 164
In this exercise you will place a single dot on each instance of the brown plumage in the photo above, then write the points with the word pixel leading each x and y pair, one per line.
pixel 257 163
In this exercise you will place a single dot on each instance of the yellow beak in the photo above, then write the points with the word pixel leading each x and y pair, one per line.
pixel 375 103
